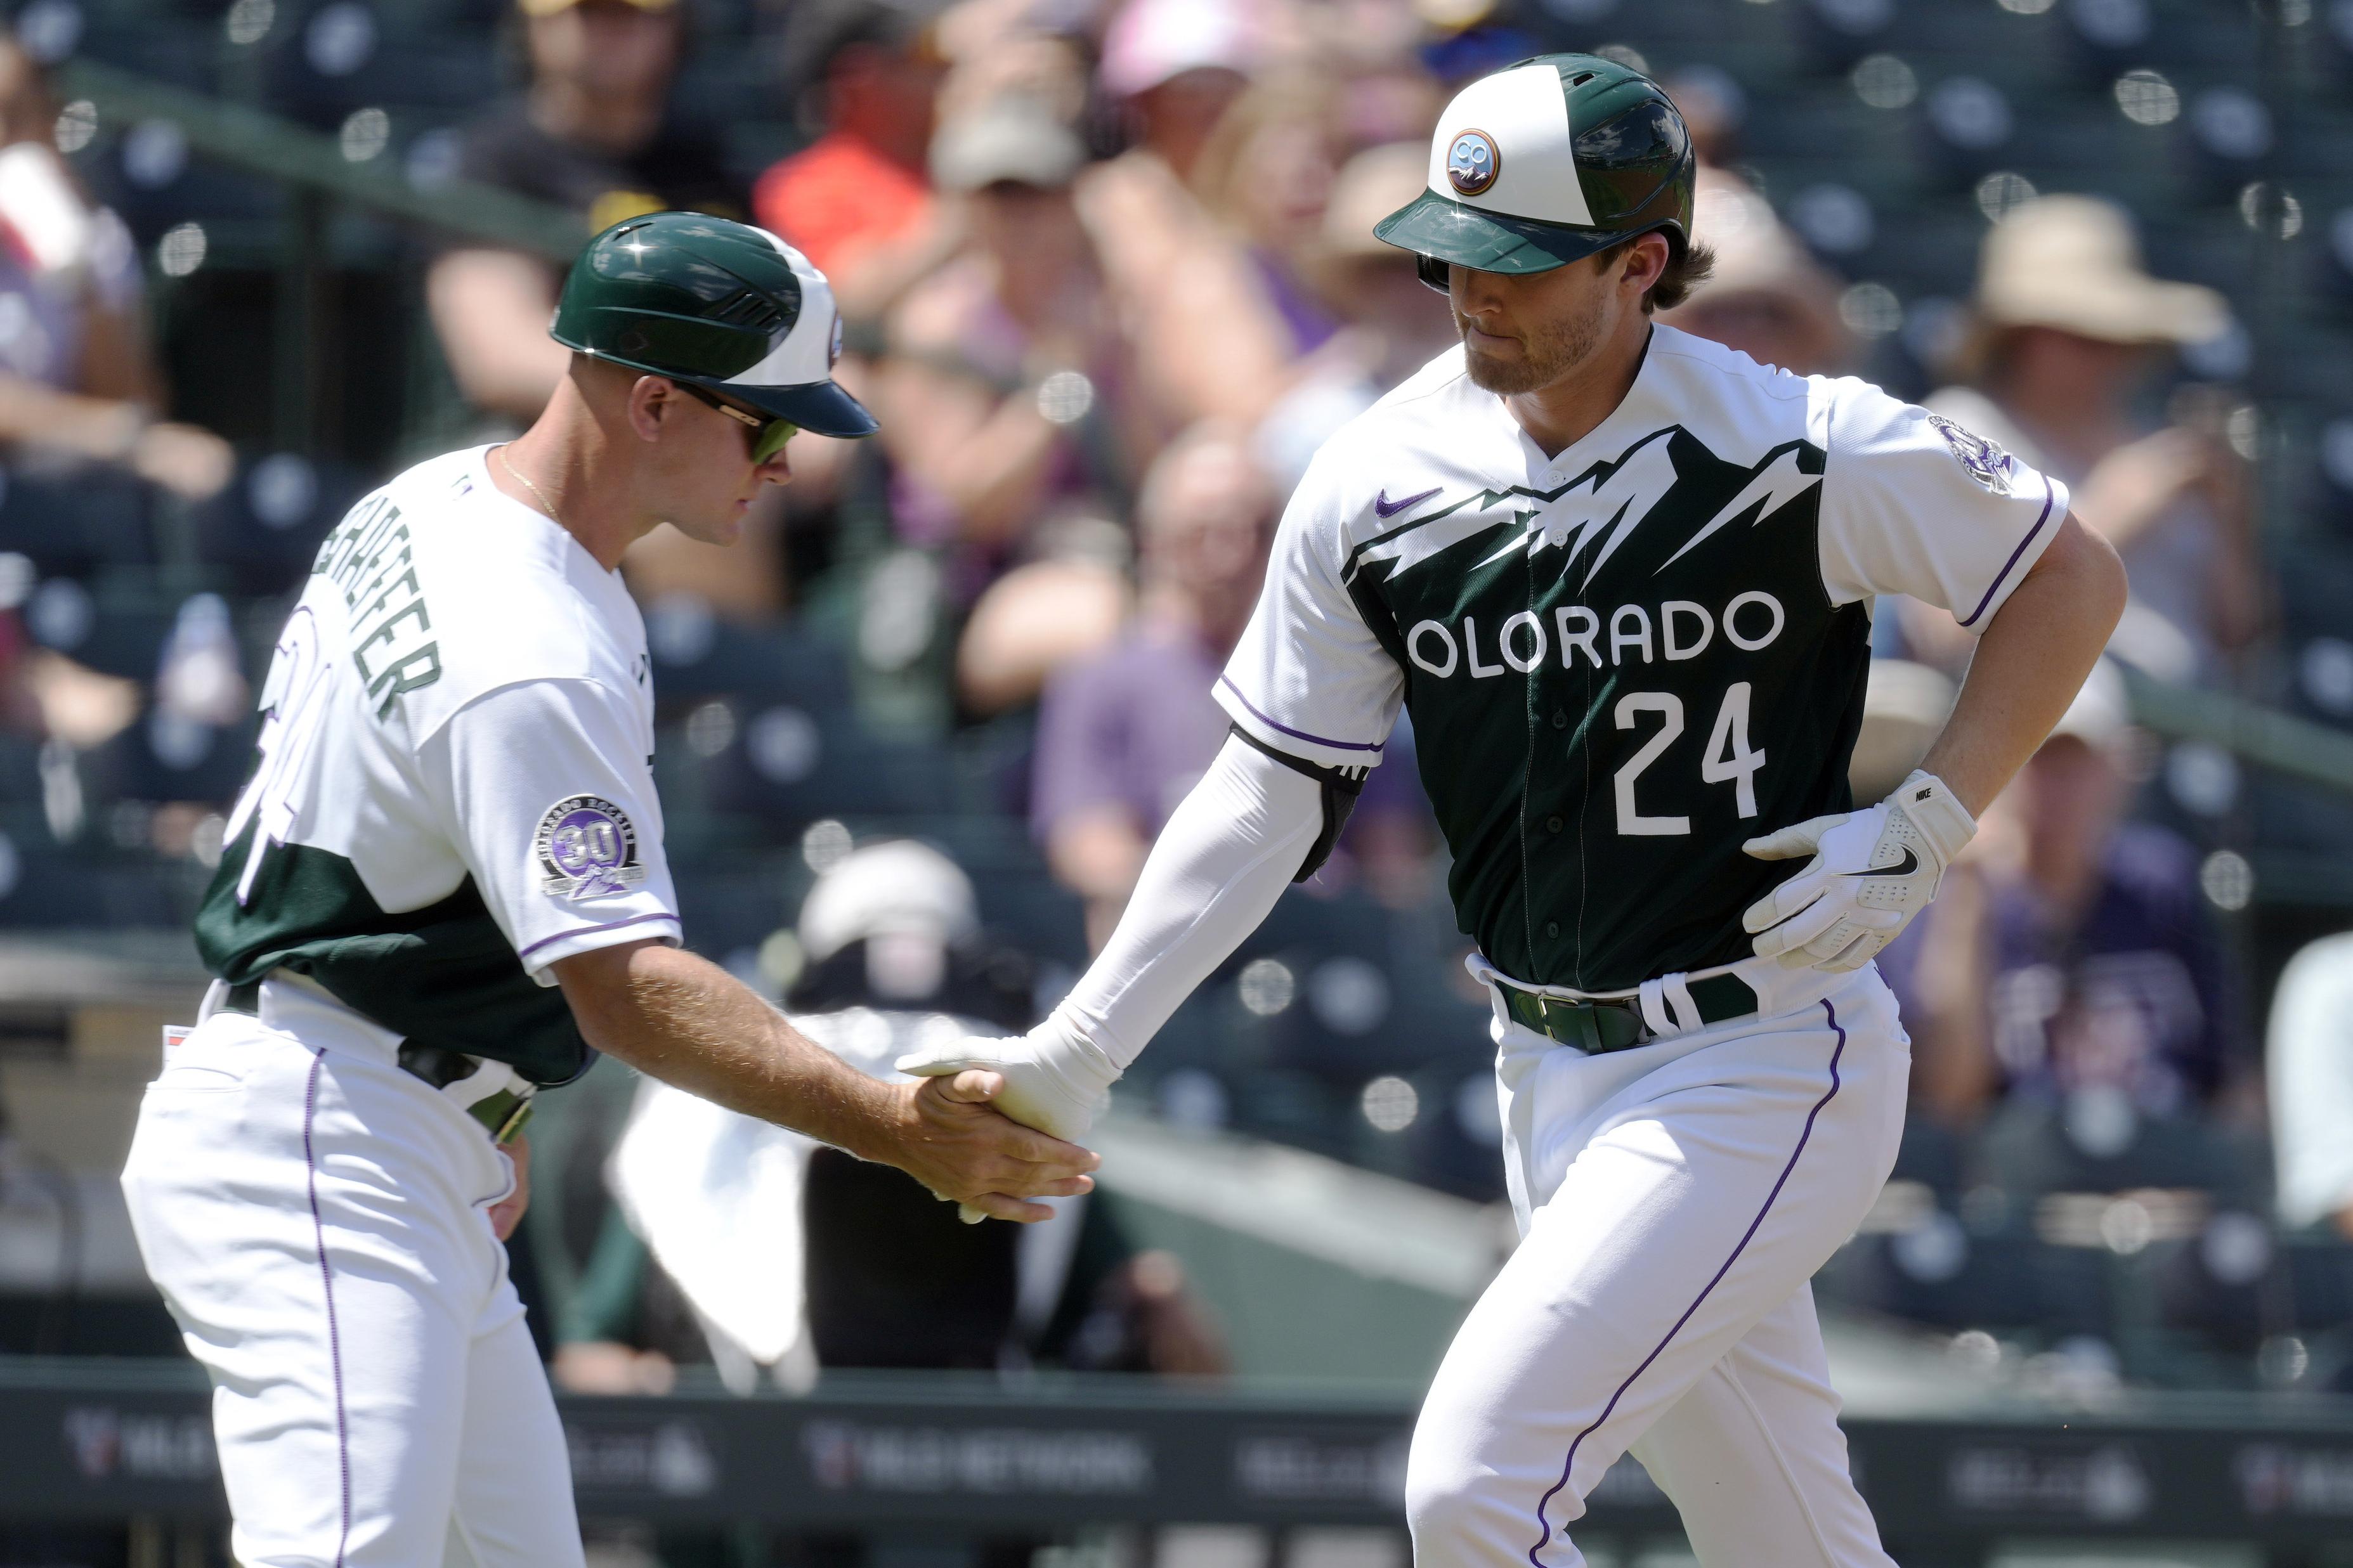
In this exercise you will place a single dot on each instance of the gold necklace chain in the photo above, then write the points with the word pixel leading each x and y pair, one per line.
pixel 537 494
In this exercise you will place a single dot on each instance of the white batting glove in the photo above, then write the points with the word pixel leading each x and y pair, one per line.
pixel 1871 871
pixel 1055 1081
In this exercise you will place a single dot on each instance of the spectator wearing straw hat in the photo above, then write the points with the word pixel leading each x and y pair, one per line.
pixel 2069 324
pixel 1767 298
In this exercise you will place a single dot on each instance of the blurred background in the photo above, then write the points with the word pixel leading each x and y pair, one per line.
pixel 1109 280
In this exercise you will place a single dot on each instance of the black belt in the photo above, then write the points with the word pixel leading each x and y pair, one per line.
pixel 501 1114
pixel 1602 1024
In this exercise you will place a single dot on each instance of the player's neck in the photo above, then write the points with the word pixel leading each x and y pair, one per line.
pixel 559 467
pixel 1568 408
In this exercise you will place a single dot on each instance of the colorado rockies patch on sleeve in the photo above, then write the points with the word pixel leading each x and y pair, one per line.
pixel 1987 463
pixel 586 846
pixel 1915 503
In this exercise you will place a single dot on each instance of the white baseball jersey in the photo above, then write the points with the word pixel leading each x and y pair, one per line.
pixel 455 787
pixel 1626 657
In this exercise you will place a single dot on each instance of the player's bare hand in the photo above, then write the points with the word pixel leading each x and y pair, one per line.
pixel 507 1212
pixel 954 1142
pixel 1053 1078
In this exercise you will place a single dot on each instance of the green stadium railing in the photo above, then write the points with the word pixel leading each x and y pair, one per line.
pixel 317 178
pixel 309 161
pixel 2283 742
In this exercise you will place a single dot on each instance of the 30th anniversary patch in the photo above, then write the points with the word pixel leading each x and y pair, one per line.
pixel 586 846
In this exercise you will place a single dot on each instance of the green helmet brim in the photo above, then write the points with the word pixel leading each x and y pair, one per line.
pixel 1431 225
pixel 821 408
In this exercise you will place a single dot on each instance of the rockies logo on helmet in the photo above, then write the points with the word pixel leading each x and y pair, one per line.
pixel 1472 162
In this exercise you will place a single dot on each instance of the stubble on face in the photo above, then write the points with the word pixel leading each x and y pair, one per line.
pixel 1549 349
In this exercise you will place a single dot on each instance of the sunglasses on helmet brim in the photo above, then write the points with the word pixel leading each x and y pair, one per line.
pixel 769 435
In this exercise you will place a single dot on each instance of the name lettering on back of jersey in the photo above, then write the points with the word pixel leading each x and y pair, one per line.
pixel 586 846
pixel 369 558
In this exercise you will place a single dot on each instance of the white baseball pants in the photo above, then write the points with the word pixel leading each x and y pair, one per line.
pixel 1674 1199
pixel 315 1219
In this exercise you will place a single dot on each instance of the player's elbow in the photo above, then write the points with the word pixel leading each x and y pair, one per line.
pixel 606 987
pixel 2084 567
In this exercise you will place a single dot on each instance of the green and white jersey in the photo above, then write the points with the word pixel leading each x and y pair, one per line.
pixel 455 787
pixel 1625 660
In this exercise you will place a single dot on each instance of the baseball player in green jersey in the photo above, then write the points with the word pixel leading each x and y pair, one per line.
pixel 444 886
pixel 1623 580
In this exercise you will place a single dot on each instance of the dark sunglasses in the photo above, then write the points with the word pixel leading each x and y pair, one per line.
pixel 769 435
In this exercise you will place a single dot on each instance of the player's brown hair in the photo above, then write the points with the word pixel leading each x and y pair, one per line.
pixel 1688 266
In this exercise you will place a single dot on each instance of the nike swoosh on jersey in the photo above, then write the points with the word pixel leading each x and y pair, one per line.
pixel 1384 507
pixel 1904 868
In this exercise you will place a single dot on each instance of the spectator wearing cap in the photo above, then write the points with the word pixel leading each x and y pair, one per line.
pixel 78 380
pixel 1766 297
pixel 2073 953
pixel 1176 66
pixel 594 131
pixel 858 200
pixel 1215 344
pixel 2069 325
pixel 1007 383
pixel 850 1270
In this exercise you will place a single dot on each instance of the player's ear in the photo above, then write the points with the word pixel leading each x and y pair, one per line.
pixel 653 399
pixel 1646 262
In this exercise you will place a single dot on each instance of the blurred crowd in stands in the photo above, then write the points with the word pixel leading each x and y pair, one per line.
pixel 1108 279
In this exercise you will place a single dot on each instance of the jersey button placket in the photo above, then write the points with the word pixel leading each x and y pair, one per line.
pixel 1554 824
pixel 1560 717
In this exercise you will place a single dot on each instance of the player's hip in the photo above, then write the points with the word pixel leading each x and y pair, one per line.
pixel 1819 1047
pixel 250 1106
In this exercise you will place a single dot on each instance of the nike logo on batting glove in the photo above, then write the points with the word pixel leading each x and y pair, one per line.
pixel 1871 871
pixel 1055 1081
pixel 1904 868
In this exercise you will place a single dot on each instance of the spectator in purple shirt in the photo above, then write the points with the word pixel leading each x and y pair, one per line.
pixel 2075 956
pixel 1123 735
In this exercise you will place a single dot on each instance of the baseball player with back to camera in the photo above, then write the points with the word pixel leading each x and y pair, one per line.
pixel 443 887
pixel 1622 578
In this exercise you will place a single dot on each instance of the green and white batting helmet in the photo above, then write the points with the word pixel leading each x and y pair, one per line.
pixel 722 306
pixel 1547 161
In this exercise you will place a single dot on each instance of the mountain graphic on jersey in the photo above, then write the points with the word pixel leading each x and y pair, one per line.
pixel 1613 682
pixel 1599 509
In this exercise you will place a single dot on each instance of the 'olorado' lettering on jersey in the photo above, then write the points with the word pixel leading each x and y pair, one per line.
pixel 1598 662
